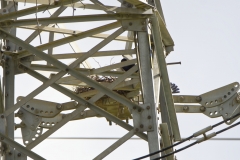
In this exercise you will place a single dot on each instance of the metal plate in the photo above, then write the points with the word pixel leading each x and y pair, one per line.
pixel 220 95
pixel 42 108
pixel 31 130
pixel 142 119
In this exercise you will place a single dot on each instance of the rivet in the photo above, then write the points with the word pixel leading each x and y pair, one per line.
pixel 198 98
pixel 141 126
pixel 139 110
pixel 149 127
pixel 2 116
pixel 202 108
pixel 134 107
pixel 148 107
pixel 130 23
pixel 20 48
pixel 19 154
pixel 136 129
pixel 185 108
pixel 59 106
pixel 149 117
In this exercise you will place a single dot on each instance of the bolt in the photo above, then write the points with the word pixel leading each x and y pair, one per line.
pixel 2 116
pixel 141 126
pixel 185 108
pixel 130 23
pixel 66 69
pixel 19 154
pixel 28 106
pixel 20 48
pixel 32 108
pixel 74 31
pixel 10 153
pixel 202 108
pixel 139 110
pixel 149 117
pixel 198 98
pixel 136 129
pixel 59 106
pixel 148 107
pixel 149 127
pixel 181 98
pixel 134 107
pixel 238 99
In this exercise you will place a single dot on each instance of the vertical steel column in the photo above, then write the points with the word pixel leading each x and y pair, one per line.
pixel 148 89
pixel 9 75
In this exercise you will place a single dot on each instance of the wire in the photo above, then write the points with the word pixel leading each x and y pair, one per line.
pixel 196 142
pixel 164 149
pixel 190 137
pixel 176 151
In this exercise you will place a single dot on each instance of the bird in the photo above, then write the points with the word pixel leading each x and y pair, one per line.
pixel 174 88
pixel 126 68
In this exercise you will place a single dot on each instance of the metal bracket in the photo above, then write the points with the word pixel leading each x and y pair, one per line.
pixel 228 109
pixel 219 96
pixel 135 25
pixel 42 108
pixel 32 130
pixel 142 119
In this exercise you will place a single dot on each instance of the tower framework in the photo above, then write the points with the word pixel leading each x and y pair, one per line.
pixel 133 32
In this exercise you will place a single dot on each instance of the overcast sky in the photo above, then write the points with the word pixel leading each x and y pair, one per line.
pixel 206 36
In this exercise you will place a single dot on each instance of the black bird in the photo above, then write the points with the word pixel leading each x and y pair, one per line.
pixel 126 68
pixel 174 88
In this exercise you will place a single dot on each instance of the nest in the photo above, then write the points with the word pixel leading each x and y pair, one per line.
pixel 83 89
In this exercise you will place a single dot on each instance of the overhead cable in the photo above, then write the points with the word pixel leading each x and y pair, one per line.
pixel 203 131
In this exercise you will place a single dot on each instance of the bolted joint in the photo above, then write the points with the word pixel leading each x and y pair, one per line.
pixel 202 108
pixel 59 106
pixel 185 108
pixel 19 154
pixel 238 99
pixel 198 98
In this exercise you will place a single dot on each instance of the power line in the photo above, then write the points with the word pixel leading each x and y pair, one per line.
pixel 198 141
pixel 116 138
pixel 196 134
